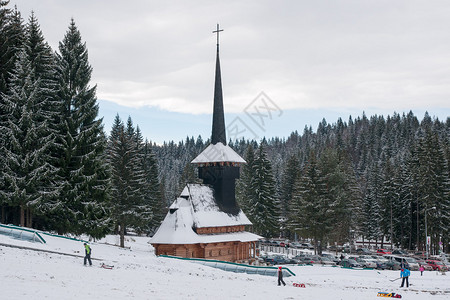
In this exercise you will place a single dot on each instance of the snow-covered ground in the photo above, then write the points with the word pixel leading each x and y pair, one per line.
pixel 139 274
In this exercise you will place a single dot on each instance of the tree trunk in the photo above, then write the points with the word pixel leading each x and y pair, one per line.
pixel 3 215
pixel 22 216
pixel 29 218
pixel 122 235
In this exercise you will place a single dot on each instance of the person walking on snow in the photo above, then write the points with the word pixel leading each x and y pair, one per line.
pixel 88 252
pixel 404 274
pixel 421 269
pixel 280 277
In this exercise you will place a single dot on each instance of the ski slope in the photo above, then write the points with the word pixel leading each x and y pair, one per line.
pixel 139 274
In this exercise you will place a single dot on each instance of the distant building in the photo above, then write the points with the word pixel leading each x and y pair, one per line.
pixel 205 221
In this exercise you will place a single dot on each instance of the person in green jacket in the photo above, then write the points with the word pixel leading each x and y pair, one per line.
pixel 88 252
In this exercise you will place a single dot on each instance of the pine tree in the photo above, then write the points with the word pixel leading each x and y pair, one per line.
pixel 42 61
pixel 153 195
pixel 82 167
pixel 290 176
pixel 129 185
pixel 264 207
pixel 243 192
pixel 371 204
pixel 307 196
pixel 12 36
pixel 433 186
pixel 27 169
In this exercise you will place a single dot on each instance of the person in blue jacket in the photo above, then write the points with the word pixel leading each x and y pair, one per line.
pixel 404 274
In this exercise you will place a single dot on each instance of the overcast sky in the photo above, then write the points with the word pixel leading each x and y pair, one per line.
pixel 154 60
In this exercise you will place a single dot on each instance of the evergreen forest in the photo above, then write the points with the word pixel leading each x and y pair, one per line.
pixel 379 178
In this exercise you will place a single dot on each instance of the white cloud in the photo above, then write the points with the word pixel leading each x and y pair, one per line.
pixel 303 54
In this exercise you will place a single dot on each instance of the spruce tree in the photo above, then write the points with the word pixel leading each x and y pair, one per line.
pixel 82 167
pixel 26 169
pixel 290 176
pixel 129 205
pixel 44 67
pixel 153 195
pixel 12 36
pixel 243 191
pixel 264 207
pixel 309 193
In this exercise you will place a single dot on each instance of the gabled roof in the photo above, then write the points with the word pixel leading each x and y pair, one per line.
pixel 196 208
pixel 218 153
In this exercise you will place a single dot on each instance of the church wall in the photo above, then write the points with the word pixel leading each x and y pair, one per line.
pixel 226 251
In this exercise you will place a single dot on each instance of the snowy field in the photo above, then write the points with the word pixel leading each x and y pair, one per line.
pixel 138 274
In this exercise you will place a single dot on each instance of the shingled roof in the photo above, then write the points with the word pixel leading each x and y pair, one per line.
pixel 197 208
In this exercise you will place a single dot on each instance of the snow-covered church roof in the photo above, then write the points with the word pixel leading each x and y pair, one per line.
pixel 197 208
pixel 218 153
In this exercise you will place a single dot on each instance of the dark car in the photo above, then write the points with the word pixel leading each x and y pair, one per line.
pixel 307 260
pixel 334 258
pixel 393 265
pixel 280 260
pixel 307 246
pixel 399 252
pixel 350 263
pixel 267 259
pixel 363 251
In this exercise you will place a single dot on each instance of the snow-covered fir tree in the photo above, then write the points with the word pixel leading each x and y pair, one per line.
pixel 129 205
pixel 26 169
pixel 153 194
pixel 12 36
pixel 82 168
pixel 243 191
pixel 263 210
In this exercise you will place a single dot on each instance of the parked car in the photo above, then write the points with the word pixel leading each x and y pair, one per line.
pixel 267 259
pixel 307 246
pixel 437 265
pixel 420 254
pixel 350 263
pixel 363 251
pixel 393 265
pixel 378 260
pixel 424 264
pixel 413 264
pixel 399 252
pixel 305 260
pixel 296 245
pixel 366 263
pixel 383 251
pixel 332 257
pixel 280 260
pixel 324 260
pixel 401 260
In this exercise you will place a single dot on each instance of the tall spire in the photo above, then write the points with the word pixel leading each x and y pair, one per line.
pixel 218 126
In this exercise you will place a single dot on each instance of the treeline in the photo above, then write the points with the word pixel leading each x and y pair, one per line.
pixel 378 178
pixel 59 171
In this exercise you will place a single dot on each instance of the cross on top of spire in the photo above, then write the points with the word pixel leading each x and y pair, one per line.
pixel 217 31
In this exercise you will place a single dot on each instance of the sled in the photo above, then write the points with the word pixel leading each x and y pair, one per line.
pixel 104 266
pixel 389 295
pixel 302 285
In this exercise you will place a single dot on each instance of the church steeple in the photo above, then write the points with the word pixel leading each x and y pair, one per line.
pixel 218 124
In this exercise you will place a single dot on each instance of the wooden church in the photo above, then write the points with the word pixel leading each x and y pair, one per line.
pixel 205 220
